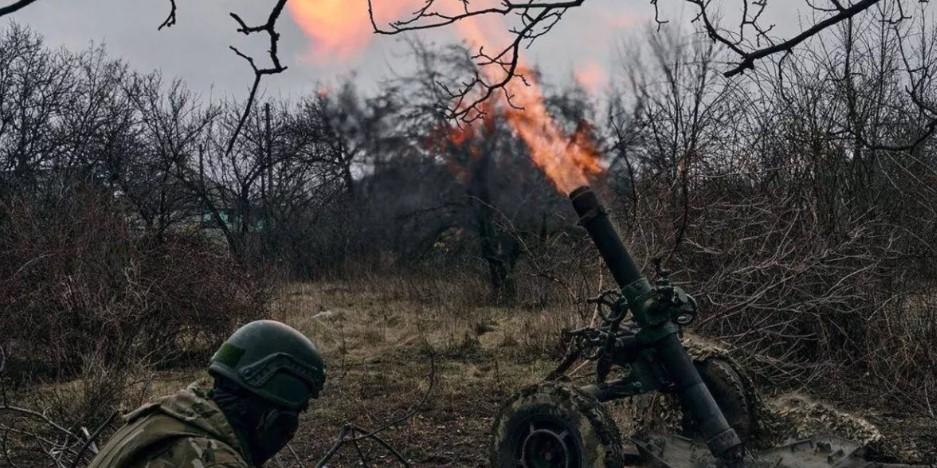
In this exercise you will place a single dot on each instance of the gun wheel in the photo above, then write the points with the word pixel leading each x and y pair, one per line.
pixel 555 425
pixel 732 393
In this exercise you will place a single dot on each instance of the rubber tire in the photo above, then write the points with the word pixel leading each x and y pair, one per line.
pixel 733 395
pixel 597 435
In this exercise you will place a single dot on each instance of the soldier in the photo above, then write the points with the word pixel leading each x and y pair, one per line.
pixel 264 376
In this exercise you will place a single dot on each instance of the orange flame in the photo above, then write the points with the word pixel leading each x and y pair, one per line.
pixel 338 29
pixel 566 161
pixel 466 137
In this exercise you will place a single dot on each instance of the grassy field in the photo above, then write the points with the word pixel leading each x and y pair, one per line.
pixel 387 341
pixel 425 349
pixel 387 344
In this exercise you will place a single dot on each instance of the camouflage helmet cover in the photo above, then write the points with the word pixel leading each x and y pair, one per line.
pixel 273 361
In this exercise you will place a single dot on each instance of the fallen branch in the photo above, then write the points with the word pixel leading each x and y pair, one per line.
pixel 353 434
pixel 89 440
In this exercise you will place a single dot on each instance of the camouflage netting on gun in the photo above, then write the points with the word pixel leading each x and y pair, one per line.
pixel 781 418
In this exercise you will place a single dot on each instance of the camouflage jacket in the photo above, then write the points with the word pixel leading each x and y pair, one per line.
pixel 185 430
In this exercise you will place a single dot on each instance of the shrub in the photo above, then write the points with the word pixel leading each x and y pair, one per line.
pixel 79 280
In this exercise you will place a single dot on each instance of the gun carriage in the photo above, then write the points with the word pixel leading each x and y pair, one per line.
pixel 558 424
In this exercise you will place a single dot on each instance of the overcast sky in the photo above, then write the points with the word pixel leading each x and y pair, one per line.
pixel 196 49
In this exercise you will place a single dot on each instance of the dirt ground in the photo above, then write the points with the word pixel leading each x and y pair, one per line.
pixel 388 345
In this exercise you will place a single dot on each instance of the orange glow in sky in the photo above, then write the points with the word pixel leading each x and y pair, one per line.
pixel 339 29
pixel 591 76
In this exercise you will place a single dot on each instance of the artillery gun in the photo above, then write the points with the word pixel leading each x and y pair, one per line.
pixel 558 424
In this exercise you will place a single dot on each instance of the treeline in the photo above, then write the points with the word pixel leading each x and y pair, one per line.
pixel 797 202
pixel 140 222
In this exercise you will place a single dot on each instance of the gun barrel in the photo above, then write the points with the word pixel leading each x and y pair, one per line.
pixel 593 217
pixel 657 330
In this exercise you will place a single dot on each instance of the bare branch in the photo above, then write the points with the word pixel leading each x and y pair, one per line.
pixel 171 19
pixel 16 6
pixel 270 28
pixel 657 19
pixel 538 18
pixel 91 438
pixel 352 434
pixel 38 416
pixel 495 69
pixel 749 57
pixel 428 16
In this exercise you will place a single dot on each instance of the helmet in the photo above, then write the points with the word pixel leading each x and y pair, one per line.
pixel 273 361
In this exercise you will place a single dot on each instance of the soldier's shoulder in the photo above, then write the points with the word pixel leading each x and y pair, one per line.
pixel 195 452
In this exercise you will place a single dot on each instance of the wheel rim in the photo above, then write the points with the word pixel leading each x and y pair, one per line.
pixel 548 444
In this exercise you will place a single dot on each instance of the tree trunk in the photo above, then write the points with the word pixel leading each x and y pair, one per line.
pixel 500 250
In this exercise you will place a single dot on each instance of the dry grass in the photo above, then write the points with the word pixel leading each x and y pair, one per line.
pixel 378 335
pixel 378 338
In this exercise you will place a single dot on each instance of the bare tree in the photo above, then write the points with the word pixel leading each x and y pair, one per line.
pixel 95 117
pixel 34 87
pixel 798 229
pixel 168 125
pixel 680 117
pixel 268 28
pixel 288 165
